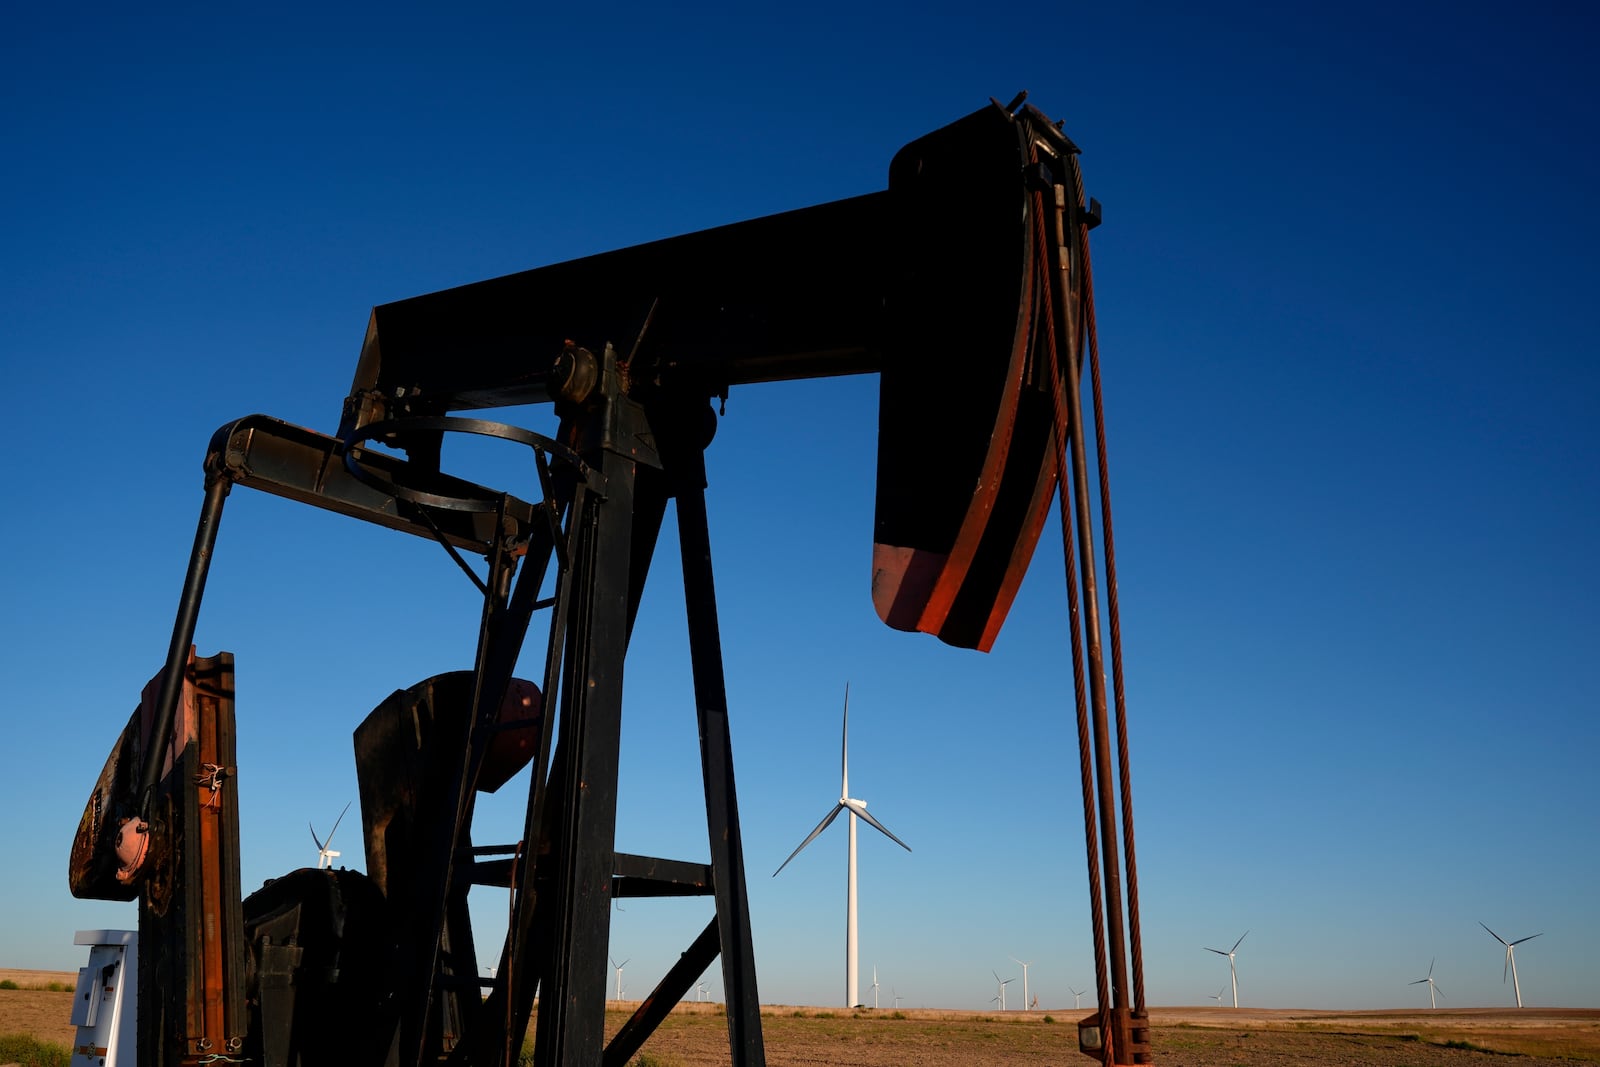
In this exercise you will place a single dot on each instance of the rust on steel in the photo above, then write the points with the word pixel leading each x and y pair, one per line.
pixel 964 284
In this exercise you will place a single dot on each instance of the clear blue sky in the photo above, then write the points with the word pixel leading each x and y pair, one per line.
pixel 1346 290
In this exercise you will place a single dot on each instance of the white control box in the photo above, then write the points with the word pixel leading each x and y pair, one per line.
pixel 104 1008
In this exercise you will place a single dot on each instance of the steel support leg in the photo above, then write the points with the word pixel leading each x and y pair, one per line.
pixel 571 1026
pixel 716 762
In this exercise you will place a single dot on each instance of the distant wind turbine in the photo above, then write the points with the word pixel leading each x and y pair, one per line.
pixel 895 997
pixel 1219 994
pixel 618 967
pixel 1001 996
pixel 1511 958
pixel 1077 998
pixel 325 853
pixel 1024 980
pixel 856 808
pixel 700 991
pixel 1432 988
pixel 874 987
pixel 1231 971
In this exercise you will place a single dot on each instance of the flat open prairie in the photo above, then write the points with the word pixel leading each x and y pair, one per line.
pixel 1183 1037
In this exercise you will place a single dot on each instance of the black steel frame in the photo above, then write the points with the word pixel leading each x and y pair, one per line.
pixel 612 492
pixel 631 439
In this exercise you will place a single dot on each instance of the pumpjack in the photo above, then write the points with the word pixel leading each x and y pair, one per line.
pixel 965 286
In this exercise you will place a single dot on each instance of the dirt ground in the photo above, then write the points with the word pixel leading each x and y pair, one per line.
pixel 34 1009
pixel 696 1034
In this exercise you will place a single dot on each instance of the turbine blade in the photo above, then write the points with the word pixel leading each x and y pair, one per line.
pixel 337 821
pixel 821 826
pixel 879 826
pixel 1506 968
pixel 1239 942
pixel 844 747
pixel 1218 951
pixel 313 829
pixel 1492 934
pixel 1530 937
pixel 1419 981
pixel 1436 988
pixel 1430 965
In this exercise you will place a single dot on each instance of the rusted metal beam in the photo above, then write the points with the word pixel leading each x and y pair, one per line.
pixel 191 925
pixel 302 465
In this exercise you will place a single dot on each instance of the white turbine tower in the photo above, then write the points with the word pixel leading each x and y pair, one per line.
pixel 1024 980
pixel 855 808
pixel 1231 971
pixel 1432 988
pixel 325 853
pixel 1077 998
pixel 1001 996
pixel 1511 958
pixel 618 968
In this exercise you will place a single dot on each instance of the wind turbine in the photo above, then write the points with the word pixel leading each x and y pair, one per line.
pixel 325 853
pixel 1024 981
pixel 1231 971
pixel 700 991
pixel 895 997
pixel 1511 958
pixel 1218 995
pixel 1077 998
pixel 874 986
pixel 855 808
pixel 1432 988
pixel 1001 996
pixel 618 967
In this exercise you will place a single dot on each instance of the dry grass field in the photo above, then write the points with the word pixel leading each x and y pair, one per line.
pixel 696 1034
pixel 1182 1037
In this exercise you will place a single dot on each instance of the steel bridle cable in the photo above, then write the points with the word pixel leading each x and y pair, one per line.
pixel 1044 305
pixel 1113 616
